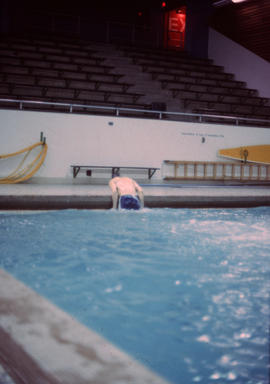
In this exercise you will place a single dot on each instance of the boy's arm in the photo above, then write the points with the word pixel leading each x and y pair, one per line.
pixel 141 197
pixel 140 193
pixel 114 193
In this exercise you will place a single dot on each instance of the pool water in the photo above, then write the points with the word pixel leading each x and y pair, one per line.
pixel 186 292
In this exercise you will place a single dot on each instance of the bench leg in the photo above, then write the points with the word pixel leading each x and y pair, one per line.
pixel 151 172
pixel 76 170
pixel 116 171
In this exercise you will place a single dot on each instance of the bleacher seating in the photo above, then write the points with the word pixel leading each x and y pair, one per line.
pixel 61 71
pixel 66 71
pixel 200 86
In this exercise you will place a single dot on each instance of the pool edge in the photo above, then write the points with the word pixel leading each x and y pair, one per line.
pixel 50 202
pixel 42 342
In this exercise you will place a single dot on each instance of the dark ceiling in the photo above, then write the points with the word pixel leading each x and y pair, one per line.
pixel 247 23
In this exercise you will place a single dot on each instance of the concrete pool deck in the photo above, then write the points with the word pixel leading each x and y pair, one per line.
pixel 91 196
pixel 42 344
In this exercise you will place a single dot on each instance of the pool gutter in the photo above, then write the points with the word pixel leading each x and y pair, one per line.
pixel 33 196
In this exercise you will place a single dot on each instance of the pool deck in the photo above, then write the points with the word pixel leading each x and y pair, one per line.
pixel 70 196
pixel 42 344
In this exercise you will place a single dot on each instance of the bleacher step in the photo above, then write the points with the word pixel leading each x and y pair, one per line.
pixel 89 72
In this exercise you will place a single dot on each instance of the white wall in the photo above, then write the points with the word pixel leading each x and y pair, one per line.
pixel 116 141
pixel 238 60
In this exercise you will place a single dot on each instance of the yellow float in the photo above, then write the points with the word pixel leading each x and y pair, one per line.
pixel 249 153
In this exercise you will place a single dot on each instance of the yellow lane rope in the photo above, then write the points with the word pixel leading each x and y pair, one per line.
pixel 22 174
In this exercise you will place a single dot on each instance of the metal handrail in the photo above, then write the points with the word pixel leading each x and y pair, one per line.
pixel 118 110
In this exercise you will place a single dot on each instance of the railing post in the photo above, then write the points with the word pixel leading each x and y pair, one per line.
pixel 233 171
pixel 250 171
pixel 268 172
pixel 259 171
pixel 185 170
pixel 175 169
pixel 195 170
pixel 214 171
pixel 204 170
pixel 223 171
pixel 242 173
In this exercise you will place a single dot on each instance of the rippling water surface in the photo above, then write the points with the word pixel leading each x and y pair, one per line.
pixel 186 292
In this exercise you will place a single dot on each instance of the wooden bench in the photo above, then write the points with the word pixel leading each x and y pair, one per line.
pixel 247 115
pixel 182 67
pixel 159 53
pixel 41 72
pixel 218 97
pixel 219 107
pixel 158 71
pixel 170 59
pixel 55 64
pixel 114 169
pixel 49 57
pixel 37 44
pixel 41 51
pixel 187 64
pixel 63 82
pixel 73 93
pixel 167 78
pixel 202 85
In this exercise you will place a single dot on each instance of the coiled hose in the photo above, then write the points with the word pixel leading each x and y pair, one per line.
pixel 24 172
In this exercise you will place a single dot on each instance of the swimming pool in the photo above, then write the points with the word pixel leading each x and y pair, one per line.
pixel 186 292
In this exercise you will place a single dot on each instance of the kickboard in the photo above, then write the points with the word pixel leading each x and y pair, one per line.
pixel 249 153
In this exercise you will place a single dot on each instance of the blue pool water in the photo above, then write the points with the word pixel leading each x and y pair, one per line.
pixel 186 292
